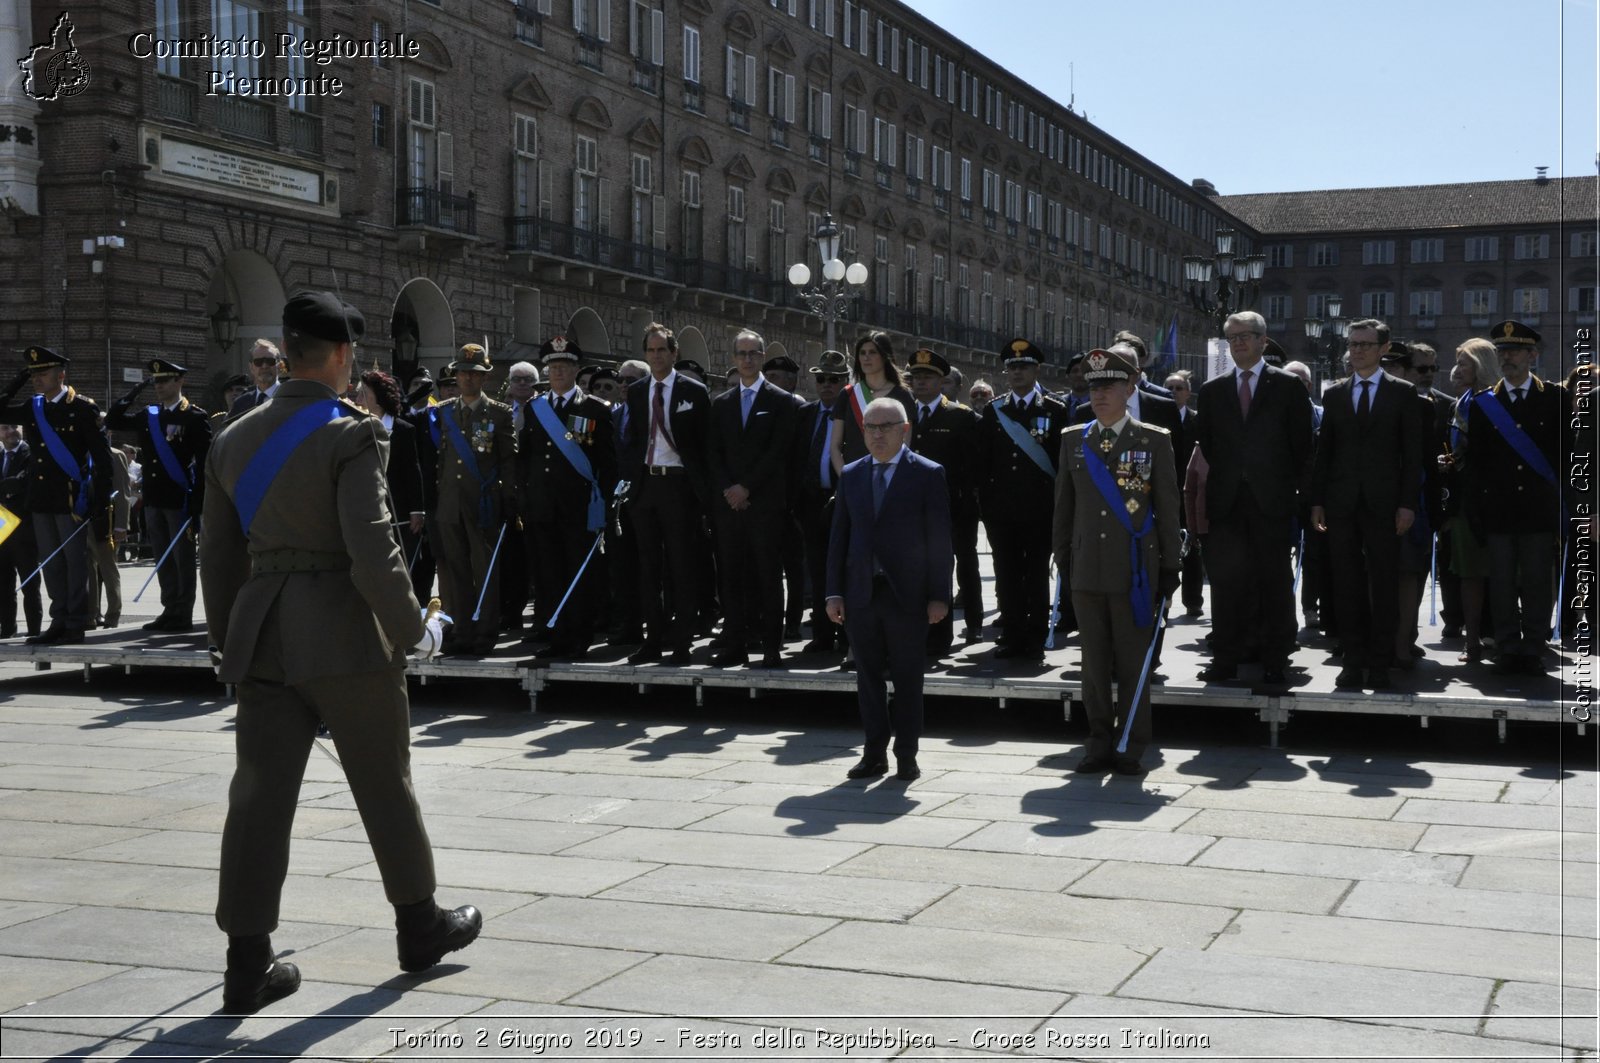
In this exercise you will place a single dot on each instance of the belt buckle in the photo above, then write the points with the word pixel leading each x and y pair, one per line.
pixel 658 470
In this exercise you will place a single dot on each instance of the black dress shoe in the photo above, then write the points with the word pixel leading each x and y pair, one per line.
pixel 971 635
pixel 1378 679
pixel 1349 678
pixel 69 636
pixel 253 978
pixel 1006 651
pixel 158 624
pixel 906 769
pixel 1128 766
pixel 818 646
pixel 646 654
pixel 111 620
pixel 1528 664
pixel 179 625
pixel 868 768
pixel 729 658
pixel 1096 764
pixel 47 637
pixel 1452 631
pixel 1274 677
pixel 791 631
pixel 423 943
pixel 552 653
pixel 772 659
pixel 8 632
pixel 1218 673
pixel 680 659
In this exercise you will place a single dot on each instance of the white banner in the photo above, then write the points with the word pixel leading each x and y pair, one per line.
pixel 1218 361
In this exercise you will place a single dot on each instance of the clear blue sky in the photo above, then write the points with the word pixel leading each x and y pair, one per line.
pixel 1291 95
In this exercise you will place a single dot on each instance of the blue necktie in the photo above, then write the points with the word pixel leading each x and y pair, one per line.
pixel 880 484
pixel 746 399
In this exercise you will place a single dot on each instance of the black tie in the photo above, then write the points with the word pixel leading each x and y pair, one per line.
pixel 926 411
pixel 1516 396
pixel 1364 404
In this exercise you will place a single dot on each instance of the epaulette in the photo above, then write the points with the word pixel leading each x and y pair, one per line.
pixel 1156 428
pixel 959 405
pixel 355 411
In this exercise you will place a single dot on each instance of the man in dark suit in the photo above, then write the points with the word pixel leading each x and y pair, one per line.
pixel 569 469
pixel 889 562
pixel 174 436
pixel 1365 486
pixel 1144 383
pixel 784 372
pixel 17 553
pixel 1254 427
pixel 946 432
pixel 265 359
pixel 814 482
pixel 664 457
pixel 748 449
pixel 1194 573
pixel 1017 452
pixel 519 568
pixel 1520 458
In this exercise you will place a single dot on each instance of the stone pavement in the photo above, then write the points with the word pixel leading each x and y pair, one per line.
pixel 671 882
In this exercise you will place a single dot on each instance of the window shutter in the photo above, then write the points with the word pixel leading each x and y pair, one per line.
pixel 827 115
pixel 658 31
pixel 578 221
pixel 788 98
pixel 604 9
pixel 542 6
pixel 604 212
pixel 750 80
pixel 546 199
pixel 731 72
pixel 577 15
pixel 658 220
pixel 446 161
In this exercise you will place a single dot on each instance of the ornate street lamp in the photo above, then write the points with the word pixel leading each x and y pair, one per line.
pixel 1327 337
pixel 224 326
pixel 830 297
pixel 1224 283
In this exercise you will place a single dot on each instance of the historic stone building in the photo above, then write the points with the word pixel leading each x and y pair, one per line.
pixel 510 170
pixel 1439 263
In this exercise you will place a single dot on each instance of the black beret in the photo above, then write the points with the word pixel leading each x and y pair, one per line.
pixel 323 315
pixel 782 363
pixel 604 372
pixel 237 380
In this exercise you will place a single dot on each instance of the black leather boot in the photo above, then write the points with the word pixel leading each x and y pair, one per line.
pixel 254 978
pixel 425 932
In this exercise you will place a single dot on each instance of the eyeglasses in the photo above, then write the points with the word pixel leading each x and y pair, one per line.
pixel 747 354
pixel 883 427
pixel 263 361
pixel 829 378
pixel 1363 345
pixel 1426 368
pixel 1240 337
pixel 521 380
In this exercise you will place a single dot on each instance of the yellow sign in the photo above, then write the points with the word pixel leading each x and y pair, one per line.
pixel 9 522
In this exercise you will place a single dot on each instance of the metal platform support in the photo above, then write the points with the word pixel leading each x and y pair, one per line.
pixel 533 683
pixel 699 692
pixel 1423 720
pixel 1066 706
pixel 1500 725
pixel 1274 715
pixel 86 667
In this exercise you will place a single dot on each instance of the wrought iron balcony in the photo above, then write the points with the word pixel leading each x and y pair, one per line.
pixel 436 210
pixel 739 115
pixel 646 77
pixel 563 241
pixel 177 99
pixel 247 118
pixel 305 132
pixel 694 97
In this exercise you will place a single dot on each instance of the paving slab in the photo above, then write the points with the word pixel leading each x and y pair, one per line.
pixel 177 848
pixel 486 832
pixel 523 781
pixel 795 820
pixel 32 838
pixel 1412 902
pixel 1570 878
pixel 78 881
pixel 25 980
pixel 522 872
pixel 911 801
pixel 777 891
pixel 100 757
pixel 1075 787
pixel 674 928
pixel 958 867
pixel 1279 799
pixel 618 811
pixel 109 781
pixel 990 956
pixel 1498 814
pixel 1502 841
pixel 1041 808
pixel 1574 791
pixel 1368 784
pixel 13 912
pixel 1313 987
pixel 694 846
pixel 70 806
pixel 308 822
pixel 1529 1011
pixel 342 901
pixel 1140 924
pixel 1322 830
pixel 1471 951
pixel 1332 861
pixel 1088 843
pixel 1220 887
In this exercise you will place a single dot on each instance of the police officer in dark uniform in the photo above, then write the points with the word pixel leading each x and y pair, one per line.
pixel 17 554
pixel 422 413
pixel 814 481
pixel 311 613
pixel 569 470
pixel 1018 448
pixel 784 372
pixel 174 436
pixel 946 432
pixel 1520 457
pixel 70 481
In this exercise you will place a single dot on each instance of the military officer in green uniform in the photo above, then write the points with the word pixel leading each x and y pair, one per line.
pixel 174 435
pixel 311 613
pixel 477 497
pixel 1116 523
pixel 946 431
pixel 69 480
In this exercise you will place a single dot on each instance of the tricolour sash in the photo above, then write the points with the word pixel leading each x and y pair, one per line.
pixel 59 452
pixel 164 451
pixel 269 460
pixel 858 404
pixel 1139 589
pixel 1026 443
pixel 575 457
pixel 1515 435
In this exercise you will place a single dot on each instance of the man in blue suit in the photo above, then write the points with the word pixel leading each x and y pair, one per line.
pixel 889 562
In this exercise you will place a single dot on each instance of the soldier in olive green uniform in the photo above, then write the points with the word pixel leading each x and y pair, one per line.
pixel 1116 523
pixel 310 609
pixel 477 496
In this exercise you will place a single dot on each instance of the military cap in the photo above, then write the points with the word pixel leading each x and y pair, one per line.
pixel 1118 364
pixel 1514 334
pixel 323 315
pixel 161 369
pixel 604 372
pixel 1075 359
pixel 831 363
pixel 45 358
pixel 928 362
pixel 237 380
pixel 1273 354
pixel 473 359
pixel 781 363
pixel 689 365
pixel 560 349
pixel 447 375
pixel 1020 352
pixel 1397 353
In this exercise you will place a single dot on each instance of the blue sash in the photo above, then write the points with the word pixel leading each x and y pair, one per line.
pixel 447 417
pixel 1026 443
pixel 1515 436
pixel 1458 420
pixel 268 461
pixel 432 418
pixel 163 449
pixel 59 452
pixel 574 454
pixel 1140 590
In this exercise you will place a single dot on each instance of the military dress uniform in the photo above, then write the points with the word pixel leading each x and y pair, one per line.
pixel 1017 494
pixel 946 432
pixel 17 555
pixel 1101 552
pixel 173 493
pixel 477 489
pixel 1517 511
pixel 61 499
pixel 566 505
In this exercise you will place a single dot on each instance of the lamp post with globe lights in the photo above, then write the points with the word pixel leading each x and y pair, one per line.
pixel 1327 337
pixel 830 297
pixel 1237 279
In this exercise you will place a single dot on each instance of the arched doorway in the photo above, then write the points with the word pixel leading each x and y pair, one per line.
pixel 247 290
pixel 590 332
pixel 422 327
pixel 692 345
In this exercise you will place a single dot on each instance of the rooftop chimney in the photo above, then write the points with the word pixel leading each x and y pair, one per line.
pixel 1541 175
pixel 1204 187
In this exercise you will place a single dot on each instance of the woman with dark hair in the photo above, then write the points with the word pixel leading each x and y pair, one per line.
pixel 876 377
pixel 379 394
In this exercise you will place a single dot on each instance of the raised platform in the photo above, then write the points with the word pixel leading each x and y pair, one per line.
pixel 1438 687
